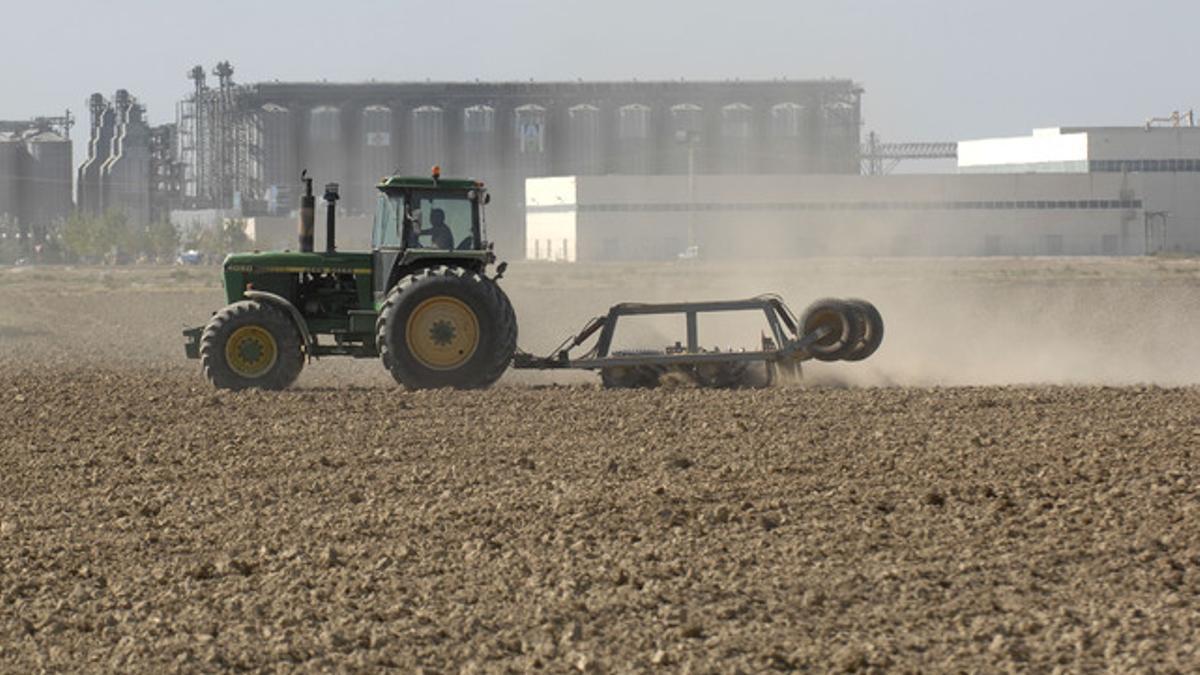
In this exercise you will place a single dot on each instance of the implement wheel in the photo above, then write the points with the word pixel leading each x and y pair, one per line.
pixel 873 335
pixel 845 325
pixel 446 327
pixel 250 344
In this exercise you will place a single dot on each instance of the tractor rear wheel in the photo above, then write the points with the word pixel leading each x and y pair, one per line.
pixel 251 344
pixel 446 327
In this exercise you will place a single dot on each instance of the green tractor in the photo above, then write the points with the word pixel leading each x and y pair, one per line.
pixel 421 300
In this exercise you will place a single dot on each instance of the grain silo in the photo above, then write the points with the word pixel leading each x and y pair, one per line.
pixel 634 140
pixel 11 151
pixel 788 137
pixel 428 140
pixel 325 156
pixel 685 134
pixel 737 151
pixel 377 155
pixel 48 180
pixel 280 174
pixel 584 142
pixel 481 144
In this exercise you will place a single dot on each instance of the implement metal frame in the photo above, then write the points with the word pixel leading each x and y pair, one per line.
pixel 784 328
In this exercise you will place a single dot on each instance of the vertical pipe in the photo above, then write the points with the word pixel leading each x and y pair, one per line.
pixel 693 339
pixel 691 190
pixel 308 205
pixel 331 198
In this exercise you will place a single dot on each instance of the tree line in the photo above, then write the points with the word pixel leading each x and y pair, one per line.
pixel 110 238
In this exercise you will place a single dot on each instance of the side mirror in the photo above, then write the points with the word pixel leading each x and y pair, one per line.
pixel 487 198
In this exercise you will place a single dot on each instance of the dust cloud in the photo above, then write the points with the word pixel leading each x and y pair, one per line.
pixel 949 322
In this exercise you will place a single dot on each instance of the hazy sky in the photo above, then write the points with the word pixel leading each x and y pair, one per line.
pixel 931 70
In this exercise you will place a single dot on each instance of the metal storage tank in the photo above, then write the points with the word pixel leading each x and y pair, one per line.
pixel 428 140
pixel 125 175
pixel 531 140
pixel 10 177
pixel 481 146
pixel 281 176
pixel 326 154
pixel 49 181
pixel 584 141
pixel 99 147
pixel 634 139
pixel 737 139
pixel 377 156
pixel 789 139
pixel 840 152
pixel 686 126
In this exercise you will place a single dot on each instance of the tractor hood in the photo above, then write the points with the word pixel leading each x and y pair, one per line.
pixel 297 262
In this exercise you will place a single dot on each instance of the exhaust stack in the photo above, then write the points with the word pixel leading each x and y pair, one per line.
pixel 308 204
pixel 331 197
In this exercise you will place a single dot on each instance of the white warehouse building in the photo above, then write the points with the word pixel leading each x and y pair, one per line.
pixel 1069 191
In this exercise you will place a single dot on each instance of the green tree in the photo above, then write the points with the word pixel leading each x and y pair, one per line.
pixel 160 240
pixel 80 236
pixel 114 235
pixel 235 238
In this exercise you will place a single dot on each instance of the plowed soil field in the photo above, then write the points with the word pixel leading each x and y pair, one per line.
pixel 1010 484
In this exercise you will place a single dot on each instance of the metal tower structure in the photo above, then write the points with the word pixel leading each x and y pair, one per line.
pixel 879 159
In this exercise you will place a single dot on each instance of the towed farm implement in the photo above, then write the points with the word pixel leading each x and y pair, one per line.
pixel 830 330
pixel 422 301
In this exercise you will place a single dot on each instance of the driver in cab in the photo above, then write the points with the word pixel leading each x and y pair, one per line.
pixel 439 232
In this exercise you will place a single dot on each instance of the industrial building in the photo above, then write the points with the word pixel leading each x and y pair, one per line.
pixel 605 218
pixel 1160 164
pixel 130 166
pixel 35 176
pixel 1069 191
pixel 243 146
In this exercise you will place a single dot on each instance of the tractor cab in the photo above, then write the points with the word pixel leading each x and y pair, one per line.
pixel 423 221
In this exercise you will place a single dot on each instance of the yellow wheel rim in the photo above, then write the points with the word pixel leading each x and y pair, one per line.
pixel 442 333
pixel 251 351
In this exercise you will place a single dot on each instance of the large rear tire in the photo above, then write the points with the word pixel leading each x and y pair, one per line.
pixel 446 327
pixel 251 345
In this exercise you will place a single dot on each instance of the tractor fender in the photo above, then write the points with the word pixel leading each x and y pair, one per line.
pixel 290 310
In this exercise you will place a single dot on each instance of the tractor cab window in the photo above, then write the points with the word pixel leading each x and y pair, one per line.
pixel 388 231
pixel 445 222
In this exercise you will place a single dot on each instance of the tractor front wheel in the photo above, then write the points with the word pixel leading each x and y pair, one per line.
pixel 446 327
pixel 250 344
